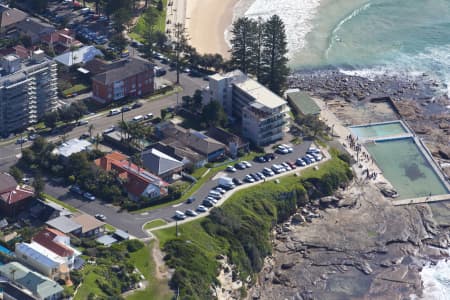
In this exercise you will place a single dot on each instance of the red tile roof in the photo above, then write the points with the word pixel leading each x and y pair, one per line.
pixel 137 179
pixel 46 238
pixel 17 195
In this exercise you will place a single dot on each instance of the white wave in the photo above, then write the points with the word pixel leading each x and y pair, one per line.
pixel 436 282
pixel 334 37
pixel 433 61
pixel 297 17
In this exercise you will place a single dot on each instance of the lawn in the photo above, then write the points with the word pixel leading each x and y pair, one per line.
pixel 89 284
pixel 156 289
pixel 47 197
pixel 160 24
pixel 75 89
pixel 154 223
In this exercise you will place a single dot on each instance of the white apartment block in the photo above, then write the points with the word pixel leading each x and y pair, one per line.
pixel 28 89
pixel 262 114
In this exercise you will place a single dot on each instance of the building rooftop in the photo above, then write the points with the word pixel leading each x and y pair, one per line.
pixel 79 56
pixel 34 25
pixel 46 238
pixel 106 240
pixel 126 68
pixel 303 103
pixel 10 16
pixel 7 182
pixel 260 93
pixel 40 254
pixel 158 162
pixel 72 146
pixel 87 222
pixel 14 291
pixel 64 224
pixel 39 285
pixel 119 233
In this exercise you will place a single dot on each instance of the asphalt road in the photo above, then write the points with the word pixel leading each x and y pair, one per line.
pixel 133 222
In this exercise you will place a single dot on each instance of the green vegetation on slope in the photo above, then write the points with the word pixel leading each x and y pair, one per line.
pixel 240 228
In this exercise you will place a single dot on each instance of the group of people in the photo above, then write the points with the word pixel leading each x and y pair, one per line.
pixel 370 175
pixel 354 145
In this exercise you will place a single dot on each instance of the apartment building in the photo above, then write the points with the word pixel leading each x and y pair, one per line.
pixel 131 77
pixel 27 91
pixel 262 114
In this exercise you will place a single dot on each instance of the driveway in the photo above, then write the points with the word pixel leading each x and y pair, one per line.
pixel 133 223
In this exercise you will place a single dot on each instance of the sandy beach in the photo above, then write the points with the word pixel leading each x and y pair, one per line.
pixel 206 22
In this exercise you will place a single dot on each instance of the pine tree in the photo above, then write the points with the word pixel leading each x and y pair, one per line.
pixel 243 44
pixel 274 70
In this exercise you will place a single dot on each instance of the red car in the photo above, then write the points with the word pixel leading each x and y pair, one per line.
pixel 292 165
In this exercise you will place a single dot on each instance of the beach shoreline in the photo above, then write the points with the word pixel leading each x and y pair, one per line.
pixel 207 23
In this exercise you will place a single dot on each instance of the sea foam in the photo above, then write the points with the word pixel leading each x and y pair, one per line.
pixel 296 15
pixel 436 282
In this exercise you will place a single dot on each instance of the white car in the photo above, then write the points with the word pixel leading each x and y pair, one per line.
pixel 281 149
pixel 89 196
pixel 100 217
pixel 249 179
pixel 231 169
pixel 288 148
pixel 202 208
pixel 246 163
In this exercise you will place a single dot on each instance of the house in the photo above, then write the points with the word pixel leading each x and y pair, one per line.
pixel 132 77
pixel 34 28
pixel 62 40
pixel 233 142
pixel 9 291
pixel 10 17
pixel 90 226
pixel 137 181
pixel 38 285
pixel 58 243
pixel 302 103
pixel 263 116
pixel 197 141
pixel 13 197
pixel 65 225
pixel 79 56
pixel 43 260
pixel 182 153
pixel 71 147
pixel 161 164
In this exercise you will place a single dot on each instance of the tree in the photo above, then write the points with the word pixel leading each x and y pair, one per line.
pixel 50 119
pixel 90 129
pixel 121 18
pixel 39 5
pixel 274 70
pixel 179 45
pixel 243 43
pixel 119 41
pixel 38 185
pixel 150 35
pixel 160 5
pixel 16 173
pixel 213 114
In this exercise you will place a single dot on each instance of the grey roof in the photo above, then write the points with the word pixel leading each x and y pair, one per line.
pixel 129 67
pixel 40 286
pixel 35 26
pixel 7 183
pixel 121 234
pixel 106 240
pixel 158 162
pixel 14 291
pixel 72 146
pixel 10 16
pixel 303 103
pixel 64 224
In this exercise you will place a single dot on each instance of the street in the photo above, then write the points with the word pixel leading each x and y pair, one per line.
pixel 133 222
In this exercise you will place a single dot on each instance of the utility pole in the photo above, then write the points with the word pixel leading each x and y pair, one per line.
pixel 176 229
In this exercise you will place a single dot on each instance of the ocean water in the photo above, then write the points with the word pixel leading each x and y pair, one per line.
pixel 436 282
pixel 366 37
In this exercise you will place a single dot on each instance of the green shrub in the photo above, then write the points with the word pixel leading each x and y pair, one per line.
pixel 134 245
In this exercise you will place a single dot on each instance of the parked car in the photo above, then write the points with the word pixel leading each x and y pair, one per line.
pixel 207 203
pixel 114 112
pixel 89 196
pixel 237 181
pixel 84 135
pixel 100 217
pixel 201 208
pixel 240 166
pixel 288 148
pixel 249 179
pixel 190 200
pixel 282 150
pixel 148 116
pixel 268 172
pixel 33 136
pixel 22 140
pixel 136 105
pixel 109 130
pixel 269 156
pixel 190 212
pixel 76 189
pixel 260 159
pixel 179 215
pixel 231 169
pixel 125 108
pixel 300 162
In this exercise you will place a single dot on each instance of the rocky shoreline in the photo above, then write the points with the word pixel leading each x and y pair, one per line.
pixel 356 244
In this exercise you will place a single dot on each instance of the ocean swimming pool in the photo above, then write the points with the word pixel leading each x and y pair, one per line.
pixel 379 130
pixel 405 166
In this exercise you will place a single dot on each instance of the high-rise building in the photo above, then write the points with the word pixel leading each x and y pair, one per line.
pixel 28 90
pixel 262 114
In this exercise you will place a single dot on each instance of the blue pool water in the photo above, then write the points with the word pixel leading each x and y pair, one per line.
pixel 379 130
pixel 4 250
